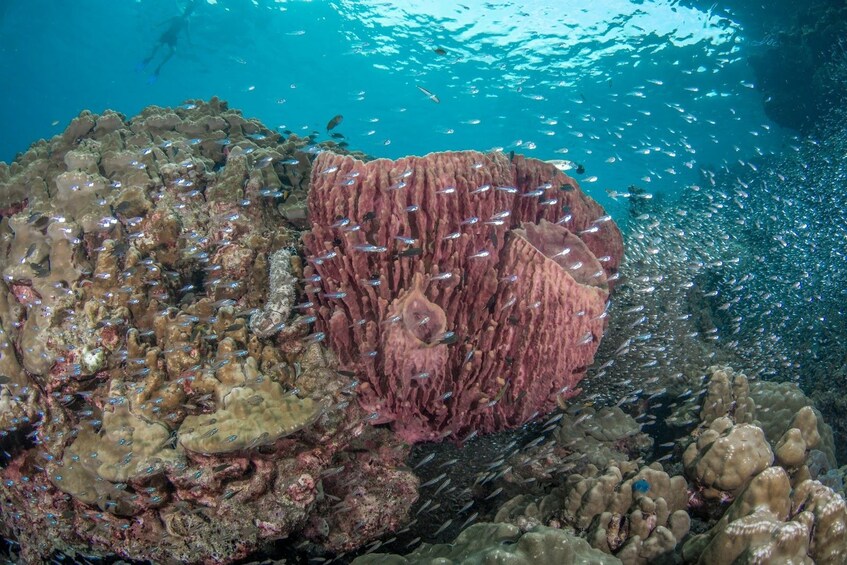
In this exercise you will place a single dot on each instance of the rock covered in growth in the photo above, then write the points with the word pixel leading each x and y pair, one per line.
pixel 500 543
pixel 370 497
pixel 468 290
pixel 181 416
pixel 770 523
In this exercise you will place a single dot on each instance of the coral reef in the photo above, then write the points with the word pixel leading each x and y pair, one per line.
pixel 584 436
pixel 777 404
pixel 165 399
pixel 770 523
pixel 468 290
pixel 163 395
pixel 636 514
pixel 500 543
pixel 772 514
pixel 725 456
pixel 745 427
pixel 739 504
pixel 581 478
pixel 640 513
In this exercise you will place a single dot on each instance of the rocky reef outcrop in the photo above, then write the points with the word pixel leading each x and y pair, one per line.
pixel 162 399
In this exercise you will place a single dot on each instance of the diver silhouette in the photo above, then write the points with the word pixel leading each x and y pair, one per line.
pixel 169 38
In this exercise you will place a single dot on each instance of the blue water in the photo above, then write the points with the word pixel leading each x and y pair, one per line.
pixel 643 93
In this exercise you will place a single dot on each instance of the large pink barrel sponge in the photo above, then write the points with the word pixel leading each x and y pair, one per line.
pixel 466 290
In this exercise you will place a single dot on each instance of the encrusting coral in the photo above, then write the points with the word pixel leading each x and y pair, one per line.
pixel 166 398
pixel 251 413
pixel 468 290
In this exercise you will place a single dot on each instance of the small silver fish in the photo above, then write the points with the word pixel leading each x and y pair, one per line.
pixel 429 94
pixel 440 276
pixel 425 460
pixel 368 248
pixel 443 527
pixel 433 481
pixel 494 493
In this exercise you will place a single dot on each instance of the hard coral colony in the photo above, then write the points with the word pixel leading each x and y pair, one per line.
pixel 160 401
pixel 468 290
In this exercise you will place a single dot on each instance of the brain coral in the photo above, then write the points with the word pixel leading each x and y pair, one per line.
pixel 468 290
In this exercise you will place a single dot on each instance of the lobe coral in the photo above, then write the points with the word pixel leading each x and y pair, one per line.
pixel 468 291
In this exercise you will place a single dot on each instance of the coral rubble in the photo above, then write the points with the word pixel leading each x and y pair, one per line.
pixel 467 289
